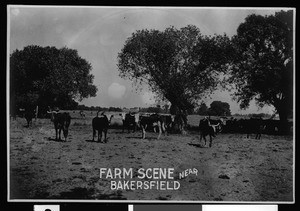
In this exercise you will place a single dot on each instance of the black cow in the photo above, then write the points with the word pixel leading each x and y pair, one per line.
pixel 101 124
pixel 253 126
pixel 272 126
pixel 130 122
pixel 232 126
pixel 61 122
pixel 29 115
pixel 206 128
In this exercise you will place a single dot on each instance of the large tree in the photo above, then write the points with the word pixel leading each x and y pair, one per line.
pixel 218 108
pixel 47 76
pixel 263 64
pixel 180 65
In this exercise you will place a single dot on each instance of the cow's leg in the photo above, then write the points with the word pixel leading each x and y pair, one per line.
pixel 94 133
pixel 56 133
pixel 143 132
pixel 200 137
pixel 100 135
pixel 105 134
pixel 258 135
pixel 210 140
pixel 204 137
pixel 59 134
pixel 163 127
pixel 159 130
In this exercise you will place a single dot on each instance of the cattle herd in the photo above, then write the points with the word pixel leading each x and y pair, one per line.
pixel 160 123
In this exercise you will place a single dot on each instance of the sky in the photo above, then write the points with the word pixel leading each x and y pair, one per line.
pixel 99 33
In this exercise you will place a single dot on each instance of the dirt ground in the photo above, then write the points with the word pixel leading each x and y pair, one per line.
pixel 233 169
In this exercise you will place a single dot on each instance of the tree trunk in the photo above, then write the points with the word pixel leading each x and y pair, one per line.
pixel 179 120
pixel 284 126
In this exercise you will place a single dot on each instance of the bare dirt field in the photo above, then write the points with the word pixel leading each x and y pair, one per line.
pixel 233 169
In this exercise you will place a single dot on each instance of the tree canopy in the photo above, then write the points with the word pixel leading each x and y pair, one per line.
pixel 47 76
pixel 218 108
pixel 262 67
pixel 180 65
pixel 202 109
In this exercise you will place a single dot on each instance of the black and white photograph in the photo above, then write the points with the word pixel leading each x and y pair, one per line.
pixel 141 104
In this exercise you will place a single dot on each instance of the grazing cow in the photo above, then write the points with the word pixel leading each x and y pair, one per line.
pixel 206 128
pixel 61 122
pixel 101 124
pixel 155 121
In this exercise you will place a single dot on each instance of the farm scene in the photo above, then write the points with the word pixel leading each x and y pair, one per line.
pixel 185 114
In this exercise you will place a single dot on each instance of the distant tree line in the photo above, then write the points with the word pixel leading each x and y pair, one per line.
pixel 217 108
pixel 97 108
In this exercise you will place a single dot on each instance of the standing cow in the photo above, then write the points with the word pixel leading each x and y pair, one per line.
pixel 130 121
pixel 206 128
pixel 155 121
pixel 29 113
pixel 101 124
pixel 254 126
pixel 61 122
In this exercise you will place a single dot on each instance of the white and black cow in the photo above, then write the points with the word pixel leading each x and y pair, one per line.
pixel 154 121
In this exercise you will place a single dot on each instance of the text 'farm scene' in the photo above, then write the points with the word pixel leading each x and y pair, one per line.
pixel 151 104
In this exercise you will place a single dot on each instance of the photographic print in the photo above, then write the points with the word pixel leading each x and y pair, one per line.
pixel 150 104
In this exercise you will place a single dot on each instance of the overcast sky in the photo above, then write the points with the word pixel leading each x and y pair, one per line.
pixel 99 33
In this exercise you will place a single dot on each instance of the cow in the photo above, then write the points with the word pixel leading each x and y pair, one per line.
pixel 61 122
pixel 123 115
pixel 82 114
pixel 217 124
pixel 254 126
pixel 101 124
pixel 168 121
pixel 29 114
pixel 206 128
pixel 231 126
pixel 155 121
pixel 130 121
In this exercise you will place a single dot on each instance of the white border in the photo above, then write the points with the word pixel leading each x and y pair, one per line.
pixel 9 7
